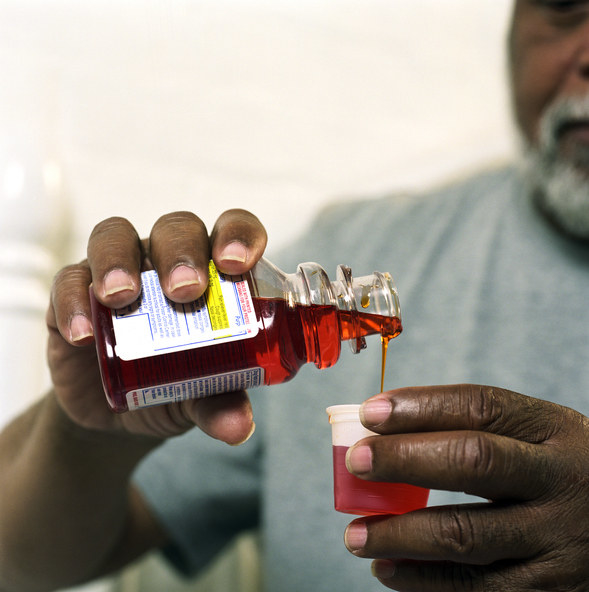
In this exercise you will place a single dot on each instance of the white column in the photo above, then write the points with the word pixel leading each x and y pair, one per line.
pixel 32 232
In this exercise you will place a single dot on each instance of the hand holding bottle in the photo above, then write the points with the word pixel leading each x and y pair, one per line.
pixel 528 457
pixel 179 248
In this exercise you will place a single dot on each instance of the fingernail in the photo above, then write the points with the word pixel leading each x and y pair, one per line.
pixel 383 569
pixel 80 328
pixel 117 281
pixel 375 411
pixel 183 276
pixel 355 536
pixel 234 251
pixel 251 433
pixel 359 459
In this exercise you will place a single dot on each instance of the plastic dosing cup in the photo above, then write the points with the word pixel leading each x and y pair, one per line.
pixel 358 496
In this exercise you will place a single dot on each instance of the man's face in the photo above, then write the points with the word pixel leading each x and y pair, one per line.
pixel 549 58
pixel 549 64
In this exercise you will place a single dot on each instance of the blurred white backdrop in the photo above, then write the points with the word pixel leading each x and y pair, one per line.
pixel 278 106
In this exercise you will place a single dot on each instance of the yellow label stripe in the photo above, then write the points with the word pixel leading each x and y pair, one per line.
pixel 215 301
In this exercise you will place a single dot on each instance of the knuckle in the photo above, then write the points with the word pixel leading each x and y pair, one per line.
pixel 110 243
pixel 543 421
pixel 455 534
pixel 475 453
pixel 69 294
pixel 177 219
pixel 177 227
pixel 114 224
pixel 238 224
pixel 240 215
pixel 501 411
pixel 485 406
pixel 70 277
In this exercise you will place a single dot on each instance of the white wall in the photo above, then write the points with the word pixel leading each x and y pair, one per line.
pixel 274 105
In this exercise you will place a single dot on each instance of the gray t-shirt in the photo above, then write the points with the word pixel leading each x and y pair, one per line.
pixel 490 293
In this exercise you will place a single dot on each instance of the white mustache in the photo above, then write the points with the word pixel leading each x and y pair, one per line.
pixel 557 185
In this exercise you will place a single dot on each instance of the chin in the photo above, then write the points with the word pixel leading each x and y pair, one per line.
pixel 556 165
pixel 561 191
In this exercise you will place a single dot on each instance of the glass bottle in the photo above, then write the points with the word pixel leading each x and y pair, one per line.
pixel 245 331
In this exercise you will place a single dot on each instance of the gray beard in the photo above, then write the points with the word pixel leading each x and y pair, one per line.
pixel 559 187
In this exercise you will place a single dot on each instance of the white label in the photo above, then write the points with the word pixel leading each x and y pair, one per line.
pixel 154 325
pixel 195 389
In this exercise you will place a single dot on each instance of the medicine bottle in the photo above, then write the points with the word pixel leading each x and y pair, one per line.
pixel 245 331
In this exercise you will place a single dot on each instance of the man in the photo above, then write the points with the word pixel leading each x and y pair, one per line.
pixel 492 274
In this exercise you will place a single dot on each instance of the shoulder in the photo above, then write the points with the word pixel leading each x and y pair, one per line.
pixel 359 228
pixel 476 189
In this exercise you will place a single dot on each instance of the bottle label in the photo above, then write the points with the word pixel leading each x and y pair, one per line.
pixel 195 389
pixel 154 325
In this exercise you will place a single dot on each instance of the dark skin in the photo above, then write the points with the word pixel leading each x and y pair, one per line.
pixel 179 247
pixel 549 60
pixel 530 458
pixel 67 461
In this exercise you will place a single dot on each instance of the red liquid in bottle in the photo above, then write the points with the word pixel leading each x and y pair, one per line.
pixel 357 496
pixel 288 337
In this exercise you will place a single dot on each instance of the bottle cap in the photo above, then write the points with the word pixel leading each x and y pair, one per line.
pixel 371 294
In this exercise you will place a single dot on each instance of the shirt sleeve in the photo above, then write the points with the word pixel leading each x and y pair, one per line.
pixel 203 492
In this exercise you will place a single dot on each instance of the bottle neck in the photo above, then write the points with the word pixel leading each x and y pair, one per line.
pixel 371 294
pixel 352 308
pixel 366 305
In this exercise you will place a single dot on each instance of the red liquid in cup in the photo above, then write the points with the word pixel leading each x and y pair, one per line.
pixel 357 496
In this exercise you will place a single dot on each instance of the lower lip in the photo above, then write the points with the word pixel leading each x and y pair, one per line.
pixel 574 135
pixel 364 498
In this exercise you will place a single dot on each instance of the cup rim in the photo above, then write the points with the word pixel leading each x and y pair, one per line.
pixel 339 413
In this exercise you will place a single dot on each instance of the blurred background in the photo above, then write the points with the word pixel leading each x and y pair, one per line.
pixel 140 107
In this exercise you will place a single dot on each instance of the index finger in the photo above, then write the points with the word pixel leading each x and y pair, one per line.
pixel 115 253
pixel 462 407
